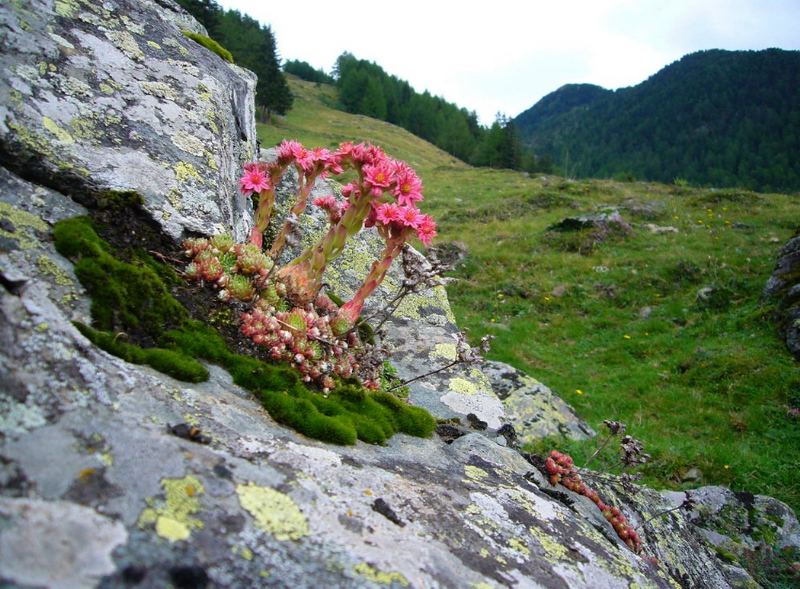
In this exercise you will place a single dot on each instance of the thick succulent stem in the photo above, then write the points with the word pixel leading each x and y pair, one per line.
pixel 303 275
pixel 266 200
pixel 349 313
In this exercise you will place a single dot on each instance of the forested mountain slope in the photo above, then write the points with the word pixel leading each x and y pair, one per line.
pixel 717 118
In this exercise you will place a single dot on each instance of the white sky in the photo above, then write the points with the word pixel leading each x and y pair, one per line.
pixel 504 56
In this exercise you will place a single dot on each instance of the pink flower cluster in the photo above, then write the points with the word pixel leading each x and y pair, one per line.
pixel 311 161
pixel 383 178
pixel 303 339
pixel 397 218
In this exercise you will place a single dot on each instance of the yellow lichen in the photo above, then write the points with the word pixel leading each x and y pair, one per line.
pixel 154 45
pixel 174 198
pixel 273 511
pixel 159 90
pixel 211 160
pixel 188 143
pixel 126 43
pixel 66 8
pixel 56 130
pixel 552 549
pixel 376 576
pixel 173 519
pixel 517 546
pixel 106 89
pixel 436 297
pixel 22 219
pixel 107 459
pixel 463 386
pixel 85 128
pixel 475 473
pixel 243 551
pixel 481 585
pixel 185 171
pixel 42 327
pixel 445 351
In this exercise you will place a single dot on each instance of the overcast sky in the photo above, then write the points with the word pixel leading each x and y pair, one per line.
pixel 504 56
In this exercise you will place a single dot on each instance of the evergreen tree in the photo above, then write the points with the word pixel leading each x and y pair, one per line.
pixel 253 47
pixel 305 71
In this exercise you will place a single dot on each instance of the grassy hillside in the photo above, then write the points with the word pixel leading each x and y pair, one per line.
pixel 314 121
pixel 617 328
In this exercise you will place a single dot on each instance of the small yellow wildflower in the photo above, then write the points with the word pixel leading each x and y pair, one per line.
pixel 578 391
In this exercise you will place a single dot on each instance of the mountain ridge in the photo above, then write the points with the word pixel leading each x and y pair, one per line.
pixel 714 117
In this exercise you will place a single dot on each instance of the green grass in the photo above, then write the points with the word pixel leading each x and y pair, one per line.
pixel 703 385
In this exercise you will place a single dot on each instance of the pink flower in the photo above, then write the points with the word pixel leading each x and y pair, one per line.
pixel 303 158
pixel 408 187
pixel 410 216
pixel 254 179
pixel 325 202
pixel 287 150
pixel 387 213
pixel 426 229
pixel 367 154
pixel 378 176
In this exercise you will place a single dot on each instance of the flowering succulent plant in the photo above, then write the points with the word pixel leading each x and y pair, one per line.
pixel 288 316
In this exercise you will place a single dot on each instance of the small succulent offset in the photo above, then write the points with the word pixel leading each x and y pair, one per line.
pixel 561 469
pixel 287 313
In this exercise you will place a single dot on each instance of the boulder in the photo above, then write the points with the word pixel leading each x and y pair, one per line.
pixel 98 100
pixel 532 408
pixel 783 287
pixel 605 222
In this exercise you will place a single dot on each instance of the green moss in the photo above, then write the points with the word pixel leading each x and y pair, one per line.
pixel 113 199
pixel 169 362
pixel 210 44
pixel 348 413
pixel 725 555
pixel 125 297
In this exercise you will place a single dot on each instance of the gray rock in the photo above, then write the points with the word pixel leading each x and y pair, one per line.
pixel 783 287
pixel 532 408
pixel 648 209
pixel 603 221
pixel 73 544
pixel 97 97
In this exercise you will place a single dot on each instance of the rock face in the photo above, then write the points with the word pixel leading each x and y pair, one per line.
pixel 95 490
pixel 784 287
pixel 532 407
pixel 98 97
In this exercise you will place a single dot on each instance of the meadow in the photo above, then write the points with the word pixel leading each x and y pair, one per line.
pixel 666 331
